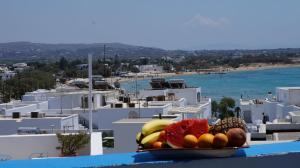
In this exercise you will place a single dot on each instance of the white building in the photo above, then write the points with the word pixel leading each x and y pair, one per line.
pixel 185 100
pixel 42 124
pixel 67 107
pixel 19 67
pixel 58 106
pixel 124 140
pixel 5 75
pixel 287 99
pixel 150 68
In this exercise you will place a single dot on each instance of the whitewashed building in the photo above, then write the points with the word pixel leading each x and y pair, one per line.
pixel 287 99
pixel 5 75
pixel 150 68
pixel 19 67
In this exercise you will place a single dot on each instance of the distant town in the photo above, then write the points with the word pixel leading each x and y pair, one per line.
pixel 30 66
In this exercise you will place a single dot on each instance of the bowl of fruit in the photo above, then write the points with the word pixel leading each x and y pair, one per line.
pixel 192 138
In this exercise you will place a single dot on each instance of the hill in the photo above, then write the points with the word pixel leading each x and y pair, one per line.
pixel 24 51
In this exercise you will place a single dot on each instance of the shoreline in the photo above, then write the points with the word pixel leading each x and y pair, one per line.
pixel 252 67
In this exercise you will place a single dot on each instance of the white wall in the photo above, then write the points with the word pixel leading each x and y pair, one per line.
pixel 96 147
pixel 190 94
pixel 23 110
pixel 256 111
pixel 27 146
pixel 124 136
pixel 43 105
pixel 26 107
pixel 103 118
pixel 206 110
pixel 282 94
pixel 23 146
pixel 270 110
pixel 65 102
pixel 10 126
pixel 288 96
pixel 294 97
pixel 279 111
pixel 70 121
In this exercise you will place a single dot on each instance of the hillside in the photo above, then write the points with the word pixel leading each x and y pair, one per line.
pixel 28 50
pixel 17 51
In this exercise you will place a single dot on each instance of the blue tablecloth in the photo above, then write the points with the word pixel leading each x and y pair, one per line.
pixel 136 158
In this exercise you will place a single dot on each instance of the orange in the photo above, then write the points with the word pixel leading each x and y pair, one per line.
pixel 190 141
pixel 206 140
pixel 157 145
pixel 220 140
pixel 162 136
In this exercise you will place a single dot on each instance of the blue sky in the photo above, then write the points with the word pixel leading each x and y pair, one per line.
pixel 168 24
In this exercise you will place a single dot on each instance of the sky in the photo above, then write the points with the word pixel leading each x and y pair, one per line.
pixel 167 24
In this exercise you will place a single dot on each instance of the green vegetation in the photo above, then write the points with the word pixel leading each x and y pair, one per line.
pixel 71 143
pixel 26 81
pixel 225 108
pixel 206 61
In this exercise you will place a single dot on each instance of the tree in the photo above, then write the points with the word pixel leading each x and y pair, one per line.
pixel 225 107
pixel 63 63
pixel 26 81
pixel 229 101
pixel 134 69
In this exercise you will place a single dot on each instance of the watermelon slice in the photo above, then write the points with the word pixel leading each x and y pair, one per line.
pixel 176 132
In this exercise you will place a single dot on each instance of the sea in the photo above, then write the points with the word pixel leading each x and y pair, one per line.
pixel 246 84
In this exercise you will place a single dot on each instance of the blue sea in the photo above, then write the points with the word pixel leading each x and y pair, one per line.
pixel 249 84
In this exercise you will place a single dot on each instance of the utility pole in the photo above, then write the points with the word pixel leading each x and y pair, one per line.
pixel 104 59
pixel 136 85
pixel 90 94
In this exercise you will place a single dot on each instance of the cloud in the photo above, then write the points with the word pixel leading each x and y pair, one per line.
pixel 200 20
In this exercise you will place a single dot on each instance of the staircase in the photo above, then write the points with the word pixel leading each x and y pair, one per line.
pixel 85 123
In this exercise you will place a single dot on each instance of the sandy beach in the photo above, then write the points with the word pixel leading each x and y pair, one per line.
pixel 252 67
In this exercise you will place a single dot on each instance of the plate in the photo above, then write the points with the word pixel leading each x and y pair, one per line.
pixel 182 153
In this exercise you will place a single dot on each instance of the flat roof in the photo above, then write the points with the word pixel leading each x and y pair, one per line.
pixel 57 116
pixel 138 120
pixel 187 109
pixel 68 92
pixel 133 120
pixel 289 88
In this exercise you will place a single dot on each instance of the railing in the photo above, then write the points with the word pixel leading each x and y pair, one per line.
pixel 38 155
pixel 83 121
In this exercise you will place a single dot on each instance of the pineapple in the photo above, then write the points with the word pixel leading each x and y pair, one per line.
pixel 224 125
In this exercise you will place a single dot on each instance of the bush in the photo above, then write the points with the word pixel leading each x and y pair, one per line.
pixel 71 143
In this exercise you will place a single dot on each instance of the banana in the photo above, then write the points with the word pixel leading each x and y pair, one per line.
pixel 154 126
pixel 150 139
pixel 138 137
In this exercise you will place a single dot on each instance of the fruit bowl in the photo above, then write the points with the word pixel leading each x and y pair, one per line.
pixel 192 138
pixel 188 153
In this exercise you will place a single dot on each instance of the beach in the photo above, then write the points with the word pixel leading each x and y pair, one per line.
pixel 216 70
